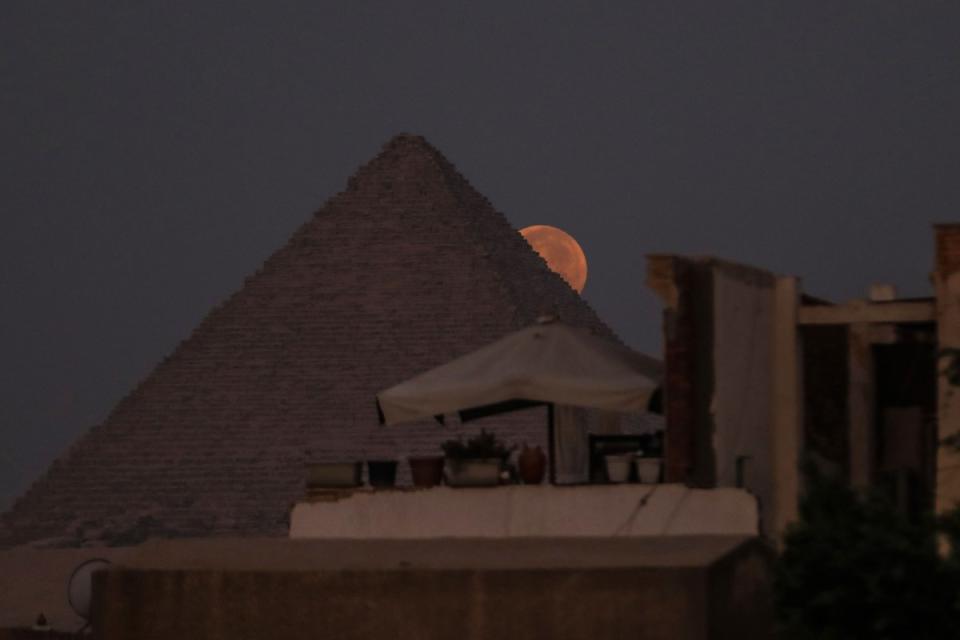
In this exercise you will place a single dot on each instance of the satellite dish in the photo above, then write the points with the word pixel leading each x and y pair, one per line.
pixel 80 585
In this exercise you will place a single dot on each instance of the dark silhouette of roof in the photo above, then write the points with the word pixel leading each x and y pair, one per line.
pixel 405 269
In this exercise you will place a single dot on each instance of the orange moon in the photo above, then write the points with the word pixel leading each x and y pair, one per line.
pixel 562 253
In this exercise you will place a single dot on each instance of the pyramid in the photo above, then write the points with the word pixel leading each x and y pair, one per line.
pixel 405 269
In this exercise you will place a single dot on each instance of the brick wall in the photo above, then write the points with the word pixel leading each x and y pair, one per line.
pixel 680 372
pixel 947 238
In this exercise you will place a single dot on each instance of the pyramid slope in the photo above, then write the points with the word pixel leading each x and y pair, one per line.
pixel 405 269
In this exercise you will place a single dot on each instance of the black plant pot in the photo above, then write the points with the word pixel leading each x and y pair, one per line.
pixel 382 473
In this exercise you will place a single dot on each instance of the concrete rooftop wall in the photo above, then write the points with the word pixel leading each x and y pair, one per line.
pixel 527 511
pixel 676 587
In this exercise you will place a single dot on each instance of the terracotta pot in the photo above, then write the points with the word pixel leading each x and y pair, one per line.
pixel 532 465
pixel 426 471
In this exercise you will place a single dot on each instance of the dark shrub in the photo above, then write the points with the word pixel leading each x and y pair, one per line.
pixel 854 567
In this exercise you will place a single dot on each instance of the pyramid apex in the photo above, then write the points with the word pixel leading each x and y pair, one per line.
pixel 404 137
pixel 409 141
pixel 404 158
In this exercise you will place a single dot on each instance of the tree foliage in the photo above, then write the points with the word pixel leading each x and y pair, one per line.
pixel 853 567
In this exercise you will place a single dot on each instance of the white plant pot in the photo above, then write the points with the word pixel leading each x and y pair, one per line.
pixel 618 468
pixel 473 473
pixel 648 470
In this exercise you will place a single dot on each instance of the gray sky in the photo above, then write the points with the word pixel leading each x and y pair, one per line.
pixel 152 154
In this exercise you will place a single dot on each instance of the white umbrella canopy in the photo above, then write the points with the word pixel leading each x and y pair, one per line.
pixel 548 362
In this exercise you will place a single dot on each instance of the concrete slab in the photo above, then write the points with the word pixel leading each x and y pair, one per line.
pixel 518 511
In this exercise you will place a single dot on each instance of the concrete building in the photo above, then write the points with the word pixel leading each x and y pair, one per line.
pixel 761 377
pixel 674 588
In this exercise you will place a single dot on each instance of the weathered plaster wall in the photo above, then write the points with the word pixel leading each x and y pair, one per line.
pixel 404 605
pixel 719 336
pixel 742 326
pixel 528 511
pixel 677 588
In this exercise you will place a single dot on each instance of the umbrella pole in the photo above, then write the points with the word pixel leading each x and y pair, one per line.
pixel 551 444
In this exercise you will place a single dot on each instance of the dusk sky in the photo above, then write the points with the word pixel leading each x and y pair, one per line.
pixel 153 154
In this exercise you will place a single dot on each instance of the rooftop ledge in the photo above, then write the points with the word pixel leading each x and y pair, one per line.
pixel 521 511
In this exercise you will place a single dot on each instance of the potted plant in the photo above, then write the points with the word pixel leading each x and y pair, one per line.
pixel 382 473
pixel 426 471
pixel 476 462
pixel 649 459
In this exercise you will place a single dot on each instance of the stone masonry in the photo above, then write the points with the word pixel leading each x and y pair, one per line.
pixel 405 269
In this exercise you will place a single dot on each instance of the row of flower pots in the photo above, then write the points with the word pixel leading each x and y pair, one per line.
pixel 430 471
pixel 333 475
pixel 480 461
pixel 619 467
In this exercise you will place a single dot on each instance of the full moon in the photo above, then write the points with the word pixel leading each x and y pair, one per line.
pixel 562 253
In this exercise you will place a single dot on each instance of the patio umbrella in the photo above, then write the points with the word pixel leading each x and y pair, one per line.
pixel 546 363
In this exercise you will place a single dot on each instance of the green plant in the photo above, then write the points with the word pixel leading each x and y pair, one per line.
pixel 854 567
pixel 483 445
